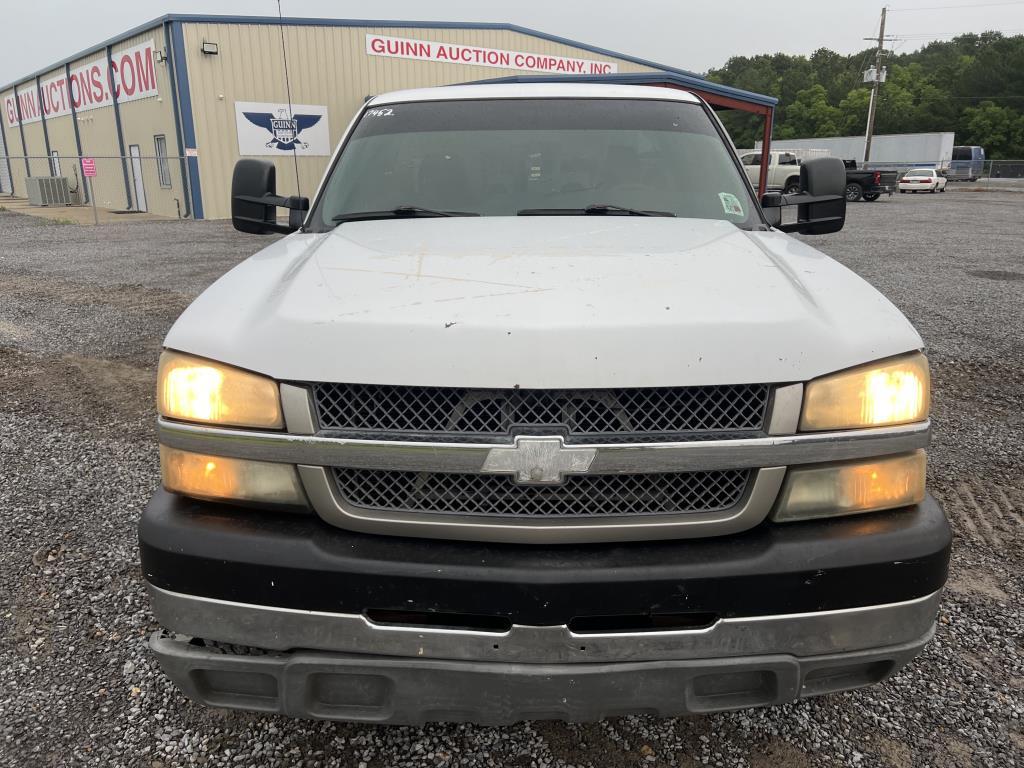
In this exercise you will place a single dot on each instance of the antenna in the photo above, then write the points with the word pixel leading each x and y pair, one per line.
pixel 288 90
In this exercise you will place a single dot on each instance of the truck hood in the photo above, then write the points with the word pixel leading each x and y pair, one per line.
pixel 542 302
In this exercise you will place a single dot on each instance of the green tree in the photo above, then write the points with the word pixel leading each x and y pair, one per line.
pixel 999 129
pixel 972 85
pixel 811 115
pixel 854 112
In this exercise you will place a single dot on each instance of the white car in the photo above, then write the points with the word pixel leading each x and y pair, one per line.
pixel 537 412
pixel 922 180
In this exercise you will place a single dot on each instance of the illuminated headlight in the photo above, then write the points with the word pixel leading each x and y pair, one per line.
pixel 846 488
pixel 895 391
pixel 193 389
pixel 222 479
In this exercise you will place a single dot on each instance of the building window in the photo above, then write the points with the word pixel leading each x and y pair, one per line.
pixel 163 169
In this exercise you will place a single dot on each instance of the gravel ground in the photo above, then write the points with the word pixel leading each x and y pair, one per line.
pixel 82 313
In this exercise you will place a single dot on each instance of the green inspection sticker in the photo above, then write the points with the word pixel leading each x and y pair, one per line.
pixel 731 204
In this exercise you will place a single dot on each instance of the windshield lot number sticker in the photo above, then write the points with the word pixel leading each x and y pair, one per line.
pixel 380 112
pixel 731 204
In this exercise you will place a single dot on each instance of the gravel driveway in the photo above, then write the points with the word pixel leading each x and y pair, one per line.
pixel 83 311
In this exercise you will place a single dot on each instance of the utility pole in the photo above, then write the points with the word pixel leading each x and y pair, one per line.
pixel 879 53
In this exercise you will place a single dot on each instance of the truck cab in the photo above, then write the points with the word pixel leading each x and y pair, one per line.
pixel 537 412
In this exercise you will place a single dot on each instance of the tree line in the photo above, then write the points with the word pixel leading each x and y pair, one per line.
pixel 972 85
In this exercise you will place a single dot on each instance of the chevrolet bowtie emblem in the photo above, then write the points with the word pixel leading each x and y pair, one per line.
pixel 539 460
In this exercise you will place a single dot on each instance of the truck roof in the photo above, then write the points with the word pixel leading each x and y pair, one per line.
pixel 535 91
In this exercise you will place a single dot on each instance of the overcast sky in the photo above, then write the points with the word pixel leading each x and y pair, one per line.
pixel 690 34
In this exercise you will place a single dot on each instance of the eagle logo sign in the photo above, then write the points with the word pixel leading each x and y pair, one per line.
pixel 284 130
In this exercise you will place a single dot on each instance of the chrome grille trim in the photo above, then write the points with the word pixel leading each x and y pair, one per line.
pixel 752 508
pixel 778 450
pixel 581 416
pixel 493 496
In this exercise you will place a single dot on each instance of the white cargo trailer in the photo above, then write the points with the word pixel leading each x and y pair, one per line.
pixel 889 151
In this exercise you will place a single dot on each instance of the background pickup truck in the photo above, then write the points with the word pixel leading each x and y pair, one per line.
pixel 783 170
pixel 867 185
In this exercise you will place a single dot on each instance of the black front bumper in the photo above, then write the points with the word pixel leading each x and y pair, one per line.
pixel 297 561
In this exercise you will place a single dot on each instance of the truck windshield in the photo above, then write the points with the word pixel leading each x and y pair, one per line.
pixel 508 157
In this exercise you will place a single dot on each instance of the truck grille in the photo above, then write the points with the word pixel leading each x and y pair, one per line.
pixel 580 495
pixel 451 414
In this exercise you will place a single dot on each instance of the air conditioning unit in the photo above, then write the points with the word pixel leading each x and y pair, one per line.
pixel 48 190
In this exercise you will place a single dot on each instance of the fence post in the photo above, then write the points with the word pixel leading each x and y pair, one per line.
pixel 92 197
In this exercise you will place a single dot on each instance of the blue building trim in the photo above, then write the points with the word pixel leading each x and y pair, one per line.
pixel 120 131
pixel 188 127
pixel 177 120
pixel 21 131
pixel 46 132
pixel 82 185
pixel 645 78
pixel 5 158
pixel 179 19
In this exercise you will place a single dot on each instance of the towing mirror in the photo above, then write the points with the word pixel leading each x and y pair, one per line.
pixel 821 204
pixel 254 200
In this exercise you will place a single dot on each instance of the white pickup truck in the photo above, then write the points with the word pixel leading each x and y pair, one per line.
pixel 538 412
pixel 783 169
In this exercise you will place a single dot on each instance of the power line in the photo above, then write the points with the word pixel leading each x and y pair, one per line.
pixel 984 98
pixel 936 35
pixel 905 35
pixel 944 7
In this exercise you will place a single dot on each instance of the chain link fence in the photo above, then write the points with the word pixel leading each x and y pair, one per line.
pixel 1004 169
pixel 135 183
pixel 998 175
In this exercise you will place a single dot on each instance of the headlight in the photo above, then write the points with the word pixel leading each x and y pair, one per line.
pixel 845 488
pixel 895 391
pixel 192 389
pixel 223 479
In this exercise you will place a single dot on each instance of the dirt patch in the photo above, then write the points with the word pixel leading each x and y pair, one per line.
pixel 74 391
pixel 996 274
pixel 590 744
pixel 952 753
pixel 981 583
pixel 780 754
pixel 123 296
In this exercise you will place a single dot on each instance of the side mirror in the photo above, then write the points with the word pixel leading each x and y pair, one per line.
pixel 254 200
pixel 821 204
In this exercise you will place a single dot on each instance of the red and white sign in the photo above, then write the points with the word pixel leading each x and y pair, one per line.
pixel 134 77
pixel 89 167
pixel 456 53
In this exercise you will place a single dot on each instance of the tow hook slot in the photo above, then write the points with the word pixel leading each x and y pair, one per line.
pixel 650 622
pixel 438 620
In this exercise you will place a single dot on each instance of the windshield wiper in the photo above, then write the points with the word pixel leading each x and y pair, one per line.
pixel 595 209
pixel 401 212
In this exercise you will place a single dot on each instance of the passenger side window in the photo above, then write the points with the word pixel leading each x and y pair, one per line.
pixel 752 159
pixel 787 158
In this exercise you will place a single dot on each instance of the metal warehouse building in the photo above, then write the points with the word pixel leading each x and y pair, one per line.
pixel 167 108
